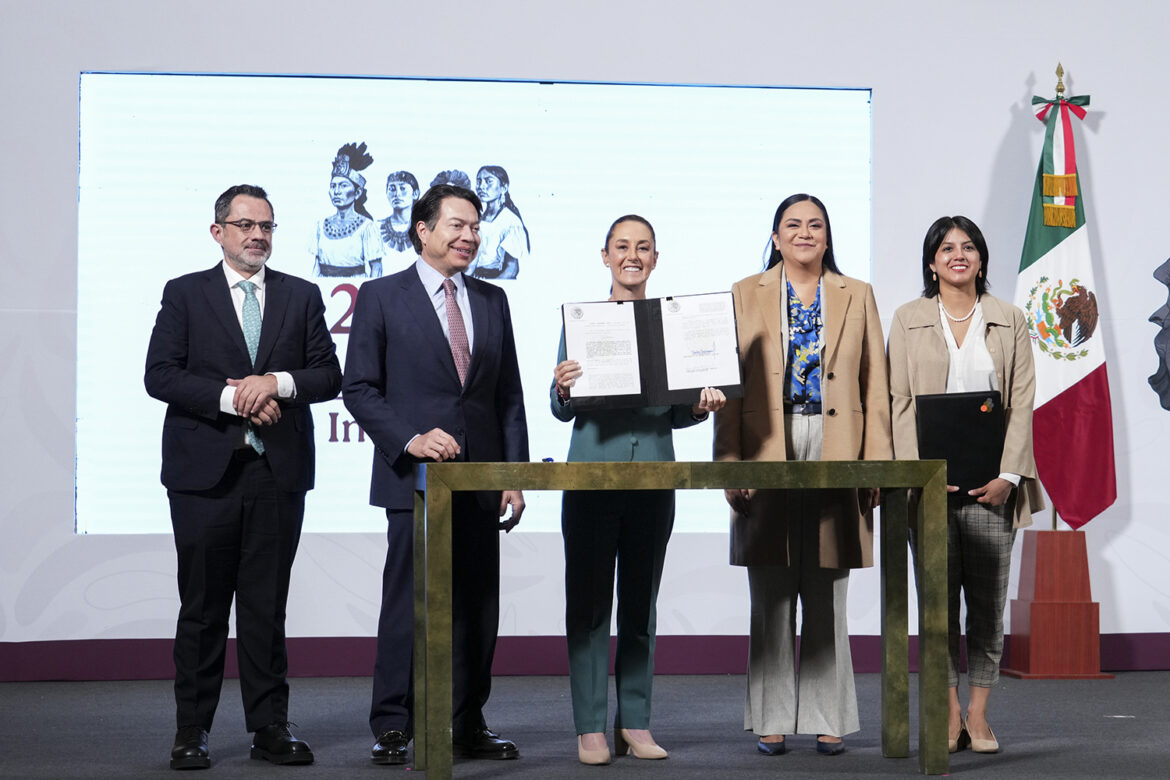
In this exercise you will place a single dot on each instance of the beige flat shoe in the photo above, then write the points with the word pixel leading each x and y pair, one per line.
pixel 623 744
pixel 592 756
pixel 985 745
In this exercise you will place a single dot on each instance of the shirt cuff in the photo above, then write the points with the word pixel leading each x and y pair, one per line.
pixel 408 441
pixel 286 388
pixel 226 397
pixel 1012 478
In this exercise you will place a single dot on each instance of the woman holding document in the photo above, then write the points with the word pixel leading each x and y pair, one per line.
pixel 814 384
pixel 629 527
pixel 957 338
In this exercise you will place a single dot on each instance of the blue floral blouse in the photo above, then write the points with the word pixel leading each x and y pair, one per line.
pixel 802 373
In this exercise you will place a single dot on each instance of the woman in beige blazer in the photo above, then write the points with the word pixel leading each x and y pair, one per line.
pixel 957 338
pixel 814 380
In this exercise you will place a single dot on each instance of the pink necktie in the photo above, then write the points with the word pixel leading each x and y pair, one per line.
pixel 460 350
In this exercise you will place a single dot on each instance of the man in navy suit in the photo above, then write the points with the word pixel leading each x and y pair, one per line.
pixel 238 353
pixel 431 375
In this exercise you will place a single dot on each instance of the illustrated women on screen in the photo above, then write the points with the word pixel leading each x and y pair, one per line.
pixel 453 176
pixel 503 237
pixel 402 192
pixel 347 243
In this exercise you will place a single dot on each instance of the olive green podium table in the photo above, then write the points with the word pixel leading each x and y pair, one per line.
pixel 432 576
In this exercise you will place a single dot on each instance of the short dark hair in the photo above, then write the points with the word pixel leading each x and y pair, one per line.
pixel 828 261
pixel 934 238
pixel 426 208
pixel 404 176
pixel 223 204
pixel 629 218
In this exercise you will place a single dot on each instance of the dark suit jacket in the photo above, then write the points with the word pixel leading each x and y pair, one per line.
pixel 197 344
pixel 400 380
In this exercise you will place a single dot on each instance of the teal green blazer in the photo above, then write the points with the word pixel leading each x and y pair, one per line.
pixel 621 435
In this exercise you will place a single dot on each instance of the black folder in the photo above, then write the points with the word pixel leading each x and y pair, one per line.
pixel 966 430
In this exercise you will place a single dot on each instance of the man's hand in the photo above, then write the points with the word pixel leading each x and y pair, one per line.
pixel 268 414
pixel 436 444
pixel 516 499
pixel 252 393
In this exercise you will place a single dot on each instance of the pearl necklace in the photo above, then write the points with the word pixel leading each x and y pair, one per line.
pixel 943 309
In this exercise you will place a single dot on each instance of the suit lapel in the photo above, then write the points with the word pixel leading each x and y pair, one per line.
pixel 219 302
pixel 836 302
pixel 418 302
pixel 768 300
pixel 276 296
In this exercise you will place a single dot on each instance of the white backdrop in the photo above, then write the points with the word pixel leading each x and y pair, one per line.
pixel 572 172
pixel 952 133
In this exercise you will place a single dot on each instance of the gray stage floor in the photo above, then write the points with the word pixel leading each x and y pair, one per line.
pixel 1047 729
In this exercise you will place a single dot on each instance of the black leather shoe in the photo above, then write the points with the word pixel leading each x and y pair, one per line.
pixel 390 748
pixel 830 748
pixel 484 743
pixel 772 748
pixel 190 750
pixel 277 744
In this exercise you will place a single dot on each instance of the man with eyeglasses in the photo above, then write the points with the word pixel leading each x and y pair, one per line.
pixel 238 353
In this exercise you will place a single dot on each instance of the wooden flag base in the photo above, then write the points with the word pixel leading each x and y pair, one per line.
pixel 1055 622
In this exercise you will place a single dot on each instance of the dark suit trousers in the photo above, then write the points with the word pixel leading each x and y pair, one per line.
pixel 601 527
pixel 475 562
pixel 236 539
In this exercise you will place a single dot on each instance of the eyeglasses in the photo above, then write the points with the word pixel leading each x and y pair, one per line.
pixel 246 225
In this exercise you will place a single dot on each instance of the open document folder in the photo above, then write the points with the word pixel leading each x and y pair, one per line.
pixel 653 352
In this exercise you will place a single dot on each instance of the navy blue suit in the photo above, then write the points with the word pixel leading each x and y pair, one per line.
pixel 236 515
pixel 401 381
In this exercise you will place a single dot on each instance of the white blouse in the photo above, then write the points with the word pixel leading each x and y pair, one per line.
pixel 971 368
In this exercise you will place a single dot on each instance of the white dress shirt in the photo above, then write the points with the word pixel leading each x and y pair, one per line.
pixel 432 282
pixel 285 386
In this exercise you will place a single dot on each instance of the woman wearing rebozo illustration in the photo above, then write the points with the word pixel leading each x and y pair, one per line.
pixel 401 192
pixel 504 241
pixel 957 338
pixel 346 243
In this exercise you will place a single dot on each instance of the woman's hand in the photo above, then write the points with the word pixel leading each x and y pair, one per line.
pixel 711 399
pixel 565 375
pixel 739 499
pixel 994 493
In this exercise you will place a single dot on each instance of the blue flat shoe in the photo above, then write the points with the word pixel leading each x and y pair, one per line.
pixel 772 748
pixel 830 748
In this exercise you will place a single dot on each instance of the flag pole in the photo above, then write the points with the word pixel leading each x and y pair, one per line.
pixel 1055 622
pixel 1059 96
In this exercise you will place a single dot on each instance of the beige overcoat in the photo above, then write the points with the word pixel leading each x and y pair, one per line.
pixel 856 414
pixel 919 361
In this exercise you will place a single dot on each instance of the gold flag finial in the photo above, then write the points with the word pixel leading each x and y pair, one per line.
pixel 1059 80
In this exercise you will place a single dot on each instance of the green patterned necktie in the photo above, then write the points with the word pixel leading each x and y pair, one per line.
pixel 252 339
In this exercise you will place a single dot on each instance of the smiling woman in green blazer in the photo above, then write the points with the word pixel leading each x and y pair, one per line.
pixel 629 527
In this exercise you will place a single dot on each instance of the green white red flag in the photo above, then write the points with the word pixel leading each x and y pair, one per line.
pixel 1073 421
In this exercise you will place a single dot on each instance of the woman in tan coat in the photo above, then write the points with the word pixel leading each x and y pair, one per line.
pixel 957 338
pixel 814 379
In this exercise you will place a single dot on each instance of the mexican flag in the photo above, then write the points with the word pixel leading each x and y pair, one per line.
pixel 1073 423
